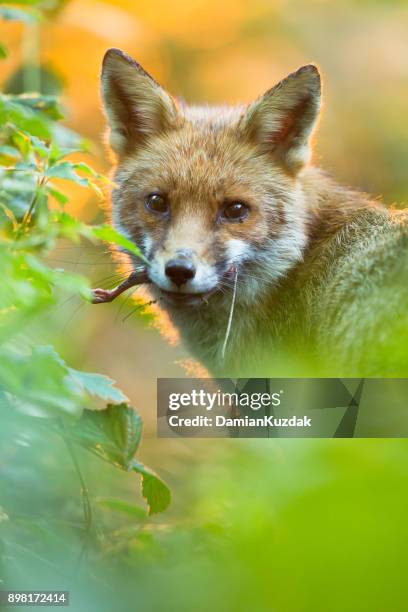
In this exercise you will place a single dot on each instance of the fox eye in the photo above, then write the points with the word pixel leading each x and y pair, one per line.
pixel 157 203
pixel 235 211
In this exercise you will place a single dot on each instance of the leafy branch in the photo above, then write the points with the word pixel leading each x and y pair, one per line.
pixel 85 409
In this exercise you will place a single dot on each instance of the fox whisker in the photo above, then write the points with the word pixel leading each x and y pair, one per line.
pixel 231 314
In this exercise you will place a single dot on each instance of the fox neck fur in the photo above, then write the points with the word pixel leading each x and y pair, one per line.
pixel 325 315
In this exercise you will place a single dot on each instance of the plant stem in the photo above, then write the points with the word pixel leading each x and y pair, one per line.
pixel 86 504
pixel 28 214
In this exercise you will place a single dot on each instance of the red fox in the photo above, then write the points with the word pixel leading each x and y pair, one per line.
pixel 263 263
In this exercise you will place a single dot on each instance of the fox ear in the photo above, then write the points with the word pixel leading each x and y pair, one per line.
pixel 135 105
pixel 282 120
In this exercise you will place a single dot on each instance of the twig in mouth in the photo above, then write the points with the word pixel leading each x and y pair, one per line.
pixel 231 313
pixel 102 296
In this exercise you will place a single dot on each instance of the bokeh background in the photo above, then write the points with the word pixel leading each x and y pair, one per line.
pixel 321 521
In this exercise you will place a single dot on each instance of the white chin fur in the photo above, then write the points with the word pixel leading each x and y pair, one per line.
pixel 237 250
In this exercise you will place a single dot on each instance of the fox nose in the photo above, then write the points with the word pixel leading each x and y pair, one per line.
pixel 180 270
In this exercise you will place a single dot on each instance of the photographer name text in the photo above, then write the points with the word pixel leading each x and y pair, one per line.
pixel 222 421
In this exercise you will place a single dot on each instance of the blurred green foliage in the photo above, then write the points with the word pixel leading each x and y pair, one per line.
pixel 41 397
pixel 294 525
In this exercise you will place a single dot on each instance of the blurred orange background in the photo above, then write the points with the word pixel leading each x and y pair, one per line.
pixel 211 51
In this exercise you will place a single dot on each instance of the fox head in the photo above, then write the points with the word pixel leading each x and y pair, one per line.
pixel 209 193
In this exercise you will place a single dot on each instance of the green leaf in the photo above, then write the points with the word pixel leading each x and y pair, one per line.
pixel 112 434
pixel 39 146
pixel 3 51
pixel 94 177
pixel 67 226
pixel 109 234
pixel 58 152
pixel 154 490
pixel 71 283
pixel 36 383
pixel 20 111
pixel 57 194
pixel 27 142
pixel 46 104
pixel 65 170
pixel 22 141
pixel 8 213
pixel 8 155
pixel 98 385
pixel 119 505
pixel 86 169
pixel 15 14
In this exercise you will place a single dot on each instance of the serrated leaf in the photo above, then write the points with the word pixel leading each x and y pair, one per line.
pixel 65 170
pixel 112 434
pixel 109 234
pixel 154 490
pixel 98 385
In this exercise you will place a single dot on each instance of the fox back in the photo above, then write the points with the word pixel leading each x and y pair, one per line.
pixel 263 264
